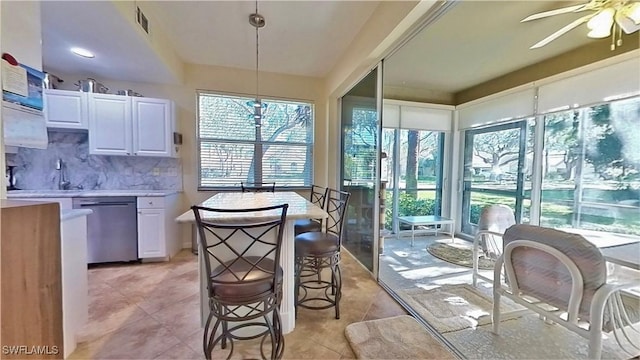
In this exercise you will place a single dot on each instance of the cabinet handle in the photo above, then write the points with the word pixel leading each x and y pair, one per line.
pixel 128 153
pixel 140 212
pixel 150 202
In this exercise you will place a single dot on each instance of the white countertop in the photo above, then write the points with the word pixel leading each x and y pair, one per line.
pixel 23 194
pixel 74 213
pixel 299 207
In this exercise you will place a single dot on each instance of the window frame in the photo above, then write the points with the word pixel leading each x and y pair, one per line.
pixel 198 140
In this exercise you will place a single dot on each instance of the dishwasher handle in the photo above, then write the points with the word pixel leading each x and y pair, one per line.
pixel 104 204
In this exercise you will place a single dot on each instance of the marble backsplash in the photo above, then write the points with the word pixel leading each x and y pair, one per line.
pixel 36 169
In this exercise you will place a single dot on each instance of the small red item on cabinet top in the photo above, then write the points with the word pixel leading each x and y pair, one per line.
pixel 10 59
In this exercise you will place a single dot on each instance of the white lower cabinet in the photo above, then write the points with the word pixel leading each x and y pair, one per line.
pixel 151 234
pixel 157 229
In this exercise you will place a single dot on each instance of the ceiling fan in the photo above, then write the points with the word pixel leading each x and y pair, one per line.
pixel 608 16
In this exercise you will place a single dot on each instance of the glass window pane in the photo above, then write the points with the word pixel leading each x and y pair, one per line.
pixel 236 147
pixel 591 159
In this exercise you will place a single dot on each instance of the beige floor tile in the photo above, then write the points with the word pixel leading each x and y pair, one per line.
pixel 181 318
pixel 168 292
pixel 144 339
pixel 142 281
pixel 384 306
pixel 108 311
pixel 307 349
pixel 180 351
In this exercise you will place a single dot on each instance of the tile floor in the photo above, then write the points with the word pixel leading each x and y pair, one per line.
pixel 151 311
pixel 405 267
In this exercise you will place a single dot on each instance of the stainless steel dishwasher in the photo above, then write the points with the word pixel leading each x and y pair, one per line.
pixel 112 228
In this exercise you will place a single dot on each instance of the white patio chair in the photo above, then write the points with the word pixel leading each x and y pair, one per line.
pixel 562 277
pixel 494 220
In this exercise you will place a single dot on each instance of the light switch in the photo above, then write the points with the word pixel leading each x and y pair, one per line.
pixel 156 171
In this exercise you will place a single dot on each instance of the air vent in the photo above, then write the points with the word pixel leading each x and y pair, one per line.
pixel 142 20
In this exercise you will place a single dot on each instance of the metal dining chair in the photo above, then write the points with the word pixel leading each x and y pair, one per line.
pixel 318 197
pixel 244 282
pixel 258 186
pixel 318 250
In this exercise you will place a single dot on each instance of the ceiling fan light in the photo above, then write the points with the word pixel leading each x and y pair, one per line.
pixel 602 20
pixel 633 12
pixel 599 33
pixel 626 24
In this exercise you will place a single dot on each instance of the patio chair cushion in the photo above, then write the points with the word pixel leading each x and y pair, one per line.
pixel 542 276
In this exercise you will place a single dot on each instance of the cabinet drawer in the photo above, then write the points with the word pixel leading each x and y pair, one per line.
pixel 155 202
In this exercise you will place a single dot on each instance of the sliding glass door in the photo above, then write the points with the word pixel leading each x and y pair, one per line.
pixel 496 171
pixel 360 123
pixel 412 166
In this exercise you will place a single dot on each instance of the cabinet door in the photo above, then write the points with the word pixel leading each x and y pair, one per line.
pixel 152 127
pixel 65 109
pixel 110 130
pixel 151 233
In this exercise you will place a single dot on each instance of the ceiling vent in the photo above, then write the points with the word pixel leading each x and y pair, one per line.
pixel 142 20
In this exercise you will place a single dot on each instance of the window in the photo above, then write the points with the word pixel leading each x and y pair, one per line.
pixel 591 168
pixel 235 147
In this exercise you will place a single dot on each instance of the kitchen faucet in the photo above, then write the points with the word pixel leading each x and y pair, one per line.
pixel 62 183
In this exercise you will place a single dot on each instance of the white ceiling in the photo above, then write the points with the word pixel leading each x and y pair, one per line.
pixel 300 37
pixel 120 53
pixel 472 42
pixel 476 41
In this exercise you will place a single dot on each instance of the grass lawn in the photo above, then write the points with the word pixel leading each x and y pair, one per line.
pixel 555 214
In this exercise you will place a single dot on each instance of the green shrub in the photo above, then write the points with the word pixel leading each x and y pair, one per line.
pixel 408 206
pixel 474 214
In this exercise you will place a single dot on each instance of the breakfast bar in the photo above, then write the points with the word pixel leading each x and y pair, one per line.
pixel 299 208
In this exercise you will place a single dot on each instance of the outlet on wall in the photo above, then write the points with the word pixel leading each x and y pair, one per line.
pixel 156 171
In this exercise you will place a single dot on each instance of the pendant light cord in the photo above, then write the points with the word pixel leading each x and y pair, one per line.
pixel 257 62
pixel 256 20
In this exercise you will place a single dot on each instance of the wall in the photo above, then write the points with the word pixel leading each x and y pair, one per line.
pixel 21 32
pixel 36 169
pixel 588 54
pixel 20 35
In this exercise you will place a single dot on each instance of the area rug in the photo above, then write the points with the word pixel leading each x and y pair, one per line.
pixel 458 256
pixel 399 337
pixel 453 307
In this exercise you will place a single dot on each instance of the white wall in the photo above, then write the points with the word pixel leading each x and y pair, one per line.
pixel 21 32
pixel 20 35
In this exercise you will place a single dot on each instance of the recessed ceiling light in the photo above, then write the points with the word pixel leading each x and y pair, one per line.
pixel 82 52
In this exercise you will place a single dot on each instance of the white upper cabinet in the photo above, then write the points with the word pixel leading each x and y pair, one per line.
pixel 110 131
pixel 124 125
pixel 65 109
pixel 153 127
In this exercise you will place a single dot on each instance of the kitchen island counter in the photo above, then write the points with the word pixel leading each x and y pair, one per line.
pixel 299 208
pixel 72 214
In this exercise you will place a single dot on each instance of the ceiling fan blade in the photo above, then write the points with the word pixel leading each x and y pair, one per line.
pixel 568 9
pixel 562 31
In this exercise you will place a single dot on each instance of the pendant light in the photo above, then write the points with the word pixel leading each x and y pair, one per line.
pixel 256 20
